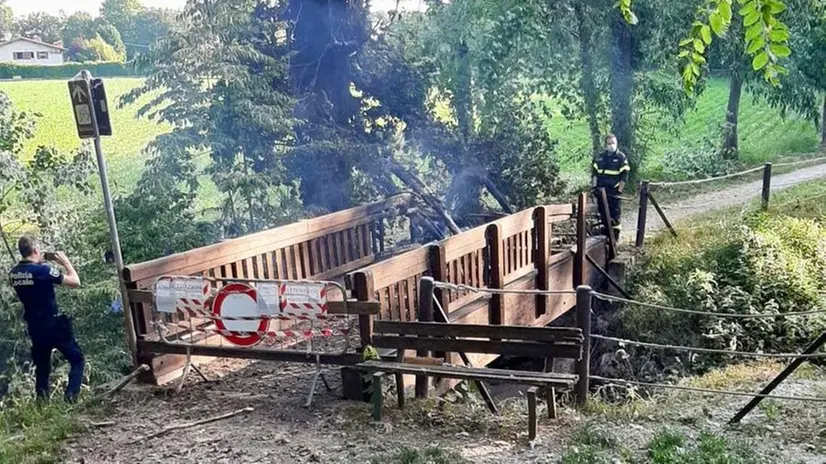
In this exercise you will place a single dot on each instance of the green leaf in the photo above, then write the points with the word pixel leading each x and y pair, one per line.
pixel 781 51
pixel 748 9
pixel 686 41
pixel 779 35
pixel 777 7
pixel 683 54
pixel 716 23
pixel 725 11
pixel 752 18
pixel 760 61
pixel 698 45
pixel 632 18
pixel 698 58
pixel 757 44
pixel 753 32
pixel 695 69
pixel 706 33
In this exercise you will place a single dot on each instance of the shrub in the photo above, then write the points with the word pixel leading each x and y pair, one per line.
pixel 767 265
pixel 695 163
pixel 67 71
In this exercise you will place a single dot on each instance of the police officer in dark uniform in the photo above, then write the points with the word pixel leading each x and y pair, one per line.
pixel 34 282
pixel 610 171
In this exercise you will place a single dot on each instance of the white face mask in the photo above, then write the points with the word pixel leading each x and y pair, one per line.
pixel 612 147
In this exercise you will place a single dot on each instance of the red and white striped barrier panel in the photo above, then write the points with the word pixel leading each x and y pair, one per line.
pixel 296 333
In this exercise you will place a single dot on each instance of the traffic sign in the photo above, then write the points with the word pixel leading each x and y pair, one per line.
pixel 82 107
pixel 239 300
pixel 101 107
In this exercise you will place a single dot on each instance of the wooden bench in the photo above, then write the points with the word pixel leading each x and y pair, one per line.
pixel 541 342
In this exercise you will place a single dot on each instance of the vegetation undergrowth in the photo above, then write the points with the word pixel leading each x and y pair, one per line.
pixel 741 262
pixel 589 445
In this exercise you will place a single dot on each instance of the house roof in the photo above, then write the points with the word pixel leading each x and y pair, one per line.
pixel 24 39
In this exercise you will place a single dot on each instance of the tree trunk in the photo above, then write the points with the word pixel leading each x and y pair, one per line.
pixel 586 82
pixel 823 124
pixel 464 106
pixel 622 88
pixel 731 141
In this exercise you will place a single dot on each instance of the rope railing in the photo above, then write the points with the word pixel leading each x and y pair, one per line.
pixel 617 299
pixel 691 349
pixel 498 291
pixel 703 181
pixel 734 174
pixel 708 390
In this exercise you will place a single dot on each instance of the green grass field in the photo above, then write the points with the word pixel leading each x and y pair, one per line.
pixel 764 134
pixel 56 126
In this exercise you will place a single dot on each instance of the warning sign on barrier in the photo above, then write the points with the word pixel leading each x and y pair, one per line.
pixel 184 293
pixel 303 298
pixel 239 300
pixel 268 299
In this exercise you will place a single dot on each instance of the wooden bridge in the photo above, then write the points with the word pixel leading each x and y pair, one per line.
pixel 351 246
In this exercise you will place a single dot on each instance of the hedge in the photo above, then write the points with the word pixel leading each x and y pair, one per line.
pixel 66 71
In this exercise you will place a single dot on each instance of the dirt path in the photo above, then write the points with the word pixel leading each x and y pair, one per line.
pixel 281 430
pixel 679 210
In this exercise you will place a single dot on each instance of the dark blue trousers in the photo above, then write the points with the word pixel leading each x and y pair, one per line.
pixel 56 334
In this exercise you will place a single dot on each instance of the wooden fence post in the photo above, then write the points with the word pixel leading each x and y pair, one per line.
pixel 581 239
pixel 642 215
pixel 583 321
pixel 541 247
pixel 493 235
pixel 363 291
pixel 608 221
pixel 426 312
pixel 438 270
pixel 767 185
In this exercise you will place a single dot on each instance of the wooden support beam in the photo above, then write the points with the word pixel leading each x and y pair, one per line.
pixel 532 419
pixel 812 348
pixel 608 277
pixel 662 215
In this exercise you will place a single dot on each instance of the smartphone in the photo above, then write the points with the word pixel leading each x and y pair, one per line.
pixel 50 256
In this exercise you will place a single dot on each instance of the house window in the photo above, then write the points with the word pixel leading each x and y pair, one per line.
pixel 42 55
pixel 23 55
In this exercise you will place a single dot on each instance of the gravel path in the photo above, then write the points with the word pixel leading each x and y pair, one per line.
pixel 679 210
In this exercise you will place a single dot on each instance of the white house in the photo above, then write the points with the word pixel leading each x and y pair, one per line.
pixel 30 51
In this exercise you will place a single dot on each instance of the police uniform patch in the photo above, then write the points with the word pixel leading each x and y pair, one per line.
pixel 54 272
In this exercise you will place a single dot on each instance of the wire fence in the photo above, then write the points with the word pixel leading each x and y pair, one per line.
pixel 692 349
pixel 708 390
pixel 617 299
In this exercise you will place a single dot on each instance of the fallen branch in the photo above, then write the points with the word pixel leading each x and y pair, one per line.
pixel 103 424
pixel 123 382
pixel 192 424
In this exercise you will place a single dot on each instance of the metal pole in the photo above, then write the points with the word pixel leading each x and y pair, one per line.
pixel 129 326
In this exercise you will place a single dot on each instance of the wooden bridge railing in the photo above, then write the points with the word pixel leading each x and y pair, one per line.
pixel 513 252
pixel 322 248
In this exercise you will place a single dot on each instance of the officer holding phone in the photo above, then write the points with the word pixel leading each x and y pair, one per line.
pixel 34 282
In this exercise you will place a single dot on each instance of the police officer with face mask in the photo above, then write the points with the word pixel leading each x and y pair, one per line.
pixel 34 282
pixel 610 171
